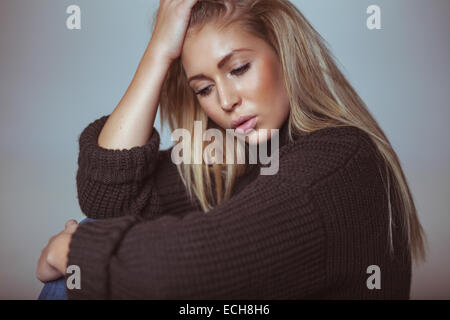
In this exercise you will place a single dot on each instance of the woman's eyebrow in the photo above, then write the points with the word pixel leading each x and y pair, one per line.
pixel 220 65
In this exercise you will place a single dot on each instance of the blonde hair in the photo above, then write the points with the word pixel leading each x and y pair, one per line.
pixel 319 96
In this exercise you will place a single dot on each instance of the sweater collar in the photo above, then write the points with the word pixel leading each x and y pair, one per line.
pixel 284 133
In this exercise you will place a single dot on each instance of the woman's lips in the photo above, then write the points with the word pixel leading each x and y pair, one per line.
pixel 247 125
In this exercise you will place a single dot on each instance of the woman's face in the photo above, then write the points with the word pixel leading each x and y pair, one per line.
pixel 235 74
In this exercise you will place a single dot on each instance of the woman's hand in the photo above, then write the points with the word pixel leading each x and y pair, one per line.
pixel 171 25
pixel 52 263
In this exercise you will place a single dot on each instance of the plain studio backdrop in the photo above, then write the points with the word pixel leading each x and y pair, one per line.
pixel 54 81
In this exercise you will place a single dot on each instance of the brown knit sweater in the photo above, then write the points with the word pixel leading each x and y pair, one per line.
pixel 310 231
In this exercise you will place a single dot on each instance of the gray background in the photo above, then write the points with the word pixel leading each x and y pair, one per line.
pixel 54 81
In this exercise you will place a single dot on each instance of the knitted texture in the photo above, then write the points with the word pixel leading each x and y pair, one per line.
pixel 308 232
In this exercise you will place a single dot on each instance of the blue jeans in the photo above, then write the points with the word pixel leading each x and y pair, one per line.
pixel 56 290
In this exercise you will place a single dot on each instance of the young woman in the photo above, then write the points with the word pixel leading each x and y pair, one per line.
pixel 336 221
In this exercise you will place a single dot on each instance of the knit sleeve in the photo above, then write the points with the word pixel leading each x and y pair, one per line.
pixel 264 242
pixel 113 183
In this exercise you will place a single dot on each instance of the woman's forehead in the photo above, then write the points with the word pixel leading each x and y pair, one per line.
pixel 211 44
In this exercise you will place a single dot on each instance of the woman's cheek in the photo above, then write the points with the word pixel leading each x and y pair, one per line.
pixel 214 113
pixel 263 84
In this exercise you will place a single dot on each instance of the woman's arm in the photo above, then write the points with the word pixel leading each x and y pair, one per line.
pixel 267 241
pixel 120 152
pixel 311 231
pixel 131 122
pixel 243 248
pixel 112 183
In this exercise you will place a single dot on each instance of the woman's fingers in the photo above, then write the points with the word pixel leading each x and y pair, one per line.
pixel 71 222
pixel 71 226
pixel 191 3
pixel 171 25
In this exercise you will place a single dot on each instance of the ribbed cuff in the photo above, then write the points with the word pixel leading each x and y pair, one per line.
pixel 115 166
pixel 90 249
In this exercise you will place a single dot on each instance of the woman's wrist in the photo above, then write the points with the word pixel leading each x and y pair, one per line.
pixel 157 55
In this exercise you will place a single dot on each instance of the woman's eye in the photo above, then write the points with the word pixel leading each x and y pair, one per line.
pixel 203 92
pixel 241 70
pixel 236 72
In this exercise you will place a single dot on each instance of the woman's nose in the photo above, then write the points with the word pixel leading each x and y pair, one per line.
pixel 228 97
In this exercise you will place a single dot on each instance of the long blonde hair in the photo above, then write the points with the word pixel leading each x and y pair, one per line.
pixel 319 96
